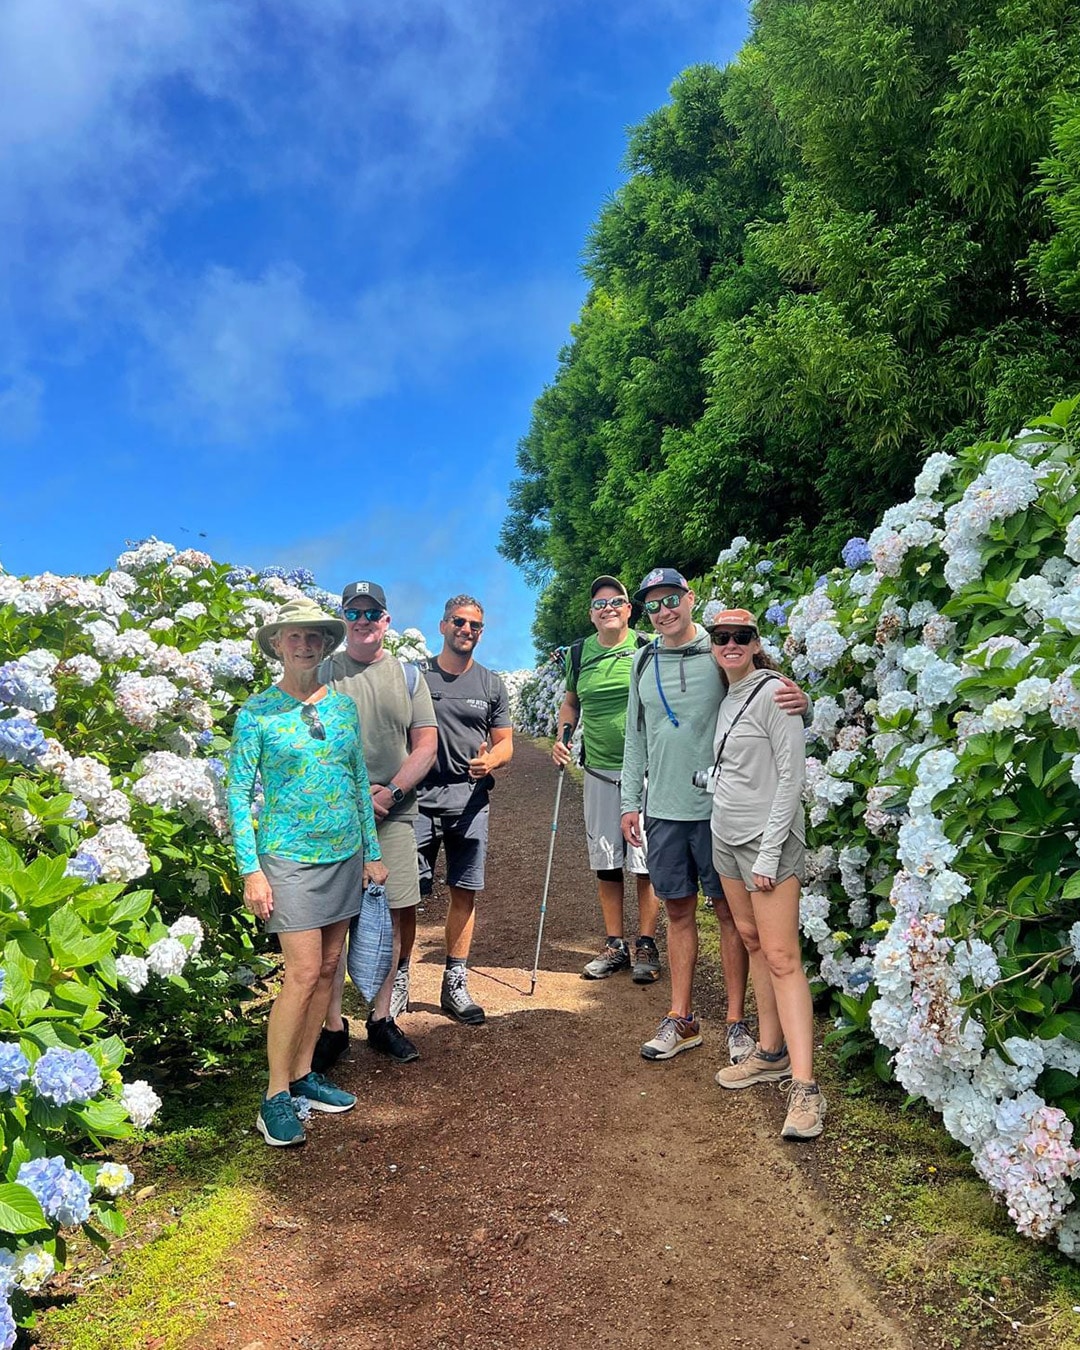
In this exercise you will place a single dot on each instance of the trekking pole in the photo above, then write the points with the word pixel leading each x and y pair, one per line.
pixel 567 732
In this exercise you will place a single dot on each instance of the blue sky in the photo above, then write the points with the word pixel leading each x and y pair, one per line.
pixel 282 280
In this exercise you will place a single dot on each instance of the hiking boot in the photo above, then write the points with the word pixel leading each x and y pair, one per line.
pixel 740 1044
pixel 755 1068
pixel 673 1035
pixel 278 1122
pixel 455 999
pixel 321 1094
pixel 805 1117
pixel 399 995
pixel 386 1038
pixel 614 956
pixel 329 1048
pixel 646 962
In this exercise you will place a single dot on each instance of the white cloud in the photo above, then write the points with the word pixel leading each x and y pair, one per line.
pixel 230 357
pixel 20 406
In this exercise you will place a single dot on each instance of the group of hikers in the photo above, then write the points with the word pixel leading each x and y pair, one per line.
pixel 368 765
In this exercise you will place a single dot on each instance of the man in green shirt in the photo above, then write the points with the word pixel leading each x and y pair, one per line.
pixel 597 688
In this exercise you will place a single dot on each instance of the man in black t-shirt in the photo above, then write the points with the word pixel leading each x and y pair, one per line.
pixel 475 737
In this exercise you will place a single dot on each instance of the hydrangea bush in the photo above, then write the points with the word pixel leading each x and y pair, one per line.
pixel 118 916
pixel 943 794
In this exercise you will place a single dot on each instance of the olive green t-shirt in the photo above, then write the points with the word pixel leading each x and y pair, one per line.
pixel 602 688
pixel 387 714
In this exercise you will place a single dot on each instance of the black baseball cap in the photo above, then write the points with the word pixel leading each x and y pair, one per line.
pixel 364 590
pixel 661 576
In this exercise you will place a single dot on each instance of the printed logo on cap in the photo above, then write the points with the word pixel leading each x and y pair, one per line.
pixel 657 574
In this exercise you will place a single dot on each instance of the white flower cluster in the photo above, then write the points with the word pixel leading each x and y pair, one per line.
pixel 1007 485
pixel 118 852
pixel 185 785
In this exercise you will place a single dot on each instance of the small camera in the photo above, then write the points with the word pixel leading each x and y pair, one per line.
pixel 704 779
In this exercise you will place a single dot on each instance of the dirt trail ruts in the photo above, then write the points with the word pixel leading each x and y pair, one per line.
pixel 535 1182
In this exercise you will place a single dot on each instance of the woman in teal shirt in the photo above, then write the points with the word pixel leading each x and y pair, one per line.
pixel 313 852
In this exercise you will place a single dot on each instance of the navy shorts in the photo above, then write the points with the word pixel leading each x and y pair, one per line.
pixel 680 858
pixel 465 837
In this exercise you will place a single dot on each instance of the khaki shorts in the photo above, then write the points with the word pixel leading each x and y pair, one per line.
pixel 398 844
pixel 737 860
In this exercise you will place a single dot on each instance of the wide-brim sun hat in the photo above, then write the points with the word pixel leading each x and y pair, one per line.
pixel 299 614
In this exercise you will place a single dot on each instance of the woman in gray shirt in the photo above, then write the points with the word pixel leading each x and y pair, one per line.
pixel 758 848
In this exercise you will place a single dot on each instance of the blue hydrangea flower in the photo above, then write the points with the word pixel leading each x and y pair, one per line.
pixel 203 739
pixel 62 1193
pixel 855 552
pixel 21 741
pixel 239 576
pixel 765 566
pixel 83 865
pixel 266 572
pixel 14 1067
pixel 776 614
pixel 65 1076
pixel 9 1268
pixel 7 1325
pixel 821 583
pixel 300 576
pixel 217 767
pixel 26 688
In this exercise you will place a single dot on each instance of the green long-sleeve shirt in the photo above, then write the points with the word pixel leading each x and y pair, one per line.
pixel 317 794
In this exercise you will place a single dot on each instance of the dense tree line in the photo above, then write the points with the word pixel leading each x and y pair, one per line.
pixel 857 243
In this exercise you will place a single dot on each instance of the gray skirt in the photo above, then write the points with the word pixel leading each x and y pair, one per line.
pixel 312 895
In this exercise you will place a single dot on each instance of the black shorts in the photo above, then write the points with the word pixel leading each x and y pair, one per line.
pixel 680 858
pixel 465 836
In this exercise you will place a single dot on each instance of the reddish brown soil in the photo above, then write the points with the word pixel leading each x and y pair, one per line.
pixel 535 1182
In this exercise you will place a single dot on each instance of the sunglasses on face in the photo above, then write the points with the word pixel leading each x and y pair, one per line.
pixel 372 615
pixel 313 722
pixel 470 624
pixel 616 602
pixel 743 636
pixel 667 601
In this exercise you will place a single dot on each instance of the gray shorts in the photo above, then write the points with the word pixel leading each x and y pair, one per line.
pixel 737 860
pixel 465 837
pixel 398 844
pixel 680 858
pixel 608 849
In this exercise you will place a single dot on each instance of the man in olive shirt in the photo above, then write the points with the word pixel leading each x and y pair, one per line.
pixel 597 688
pixel 400 740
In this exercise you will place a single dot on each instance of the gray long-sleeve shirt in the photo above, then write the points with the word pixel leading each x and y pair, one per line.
pixel 759 787
pixel 671 754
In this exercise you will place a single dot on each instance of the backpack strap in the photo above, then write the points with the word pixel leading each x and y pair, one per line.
pixel 412 676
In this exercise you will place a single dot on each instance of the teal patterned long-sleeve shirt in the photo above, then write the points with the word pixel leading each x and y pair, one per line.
pixel 317 793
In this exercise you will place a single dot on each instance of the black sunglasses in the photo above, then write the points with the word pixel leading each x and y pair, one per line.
pixel 313 722
pixel 616 602
pixel 743 636
pixel 668 602
pixel 372 615
pixel 472 625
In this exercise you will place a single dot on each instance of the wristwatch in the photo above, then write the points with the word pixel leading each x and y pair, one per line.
pixel 397 795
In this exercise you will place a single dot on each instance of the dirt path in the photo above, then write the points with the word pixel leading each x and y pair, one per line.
pixel 535 1182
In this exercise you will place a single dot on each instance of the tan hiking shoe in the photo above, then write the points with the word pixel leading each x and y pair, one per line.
pixel 806 1111
pixel 755 1068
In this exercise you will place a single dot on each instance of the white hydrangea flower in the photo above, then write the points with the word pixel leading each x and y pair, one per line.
pixel 119 852
pixel 141 1103
pixel 166 957
pixel 133 972
pixel 188 926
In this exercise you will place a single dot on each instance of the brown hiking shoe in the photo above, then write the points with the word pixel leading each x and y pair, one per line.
pixel 753 1069
pixel 806 1111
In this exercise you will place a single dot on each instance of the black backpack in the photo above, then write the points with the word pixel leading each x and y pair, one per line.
pixel 577 648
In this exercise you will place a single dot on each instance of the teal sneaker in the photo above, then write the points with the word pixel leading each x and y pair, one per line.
pixel 322 1094
pixel 277 1121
